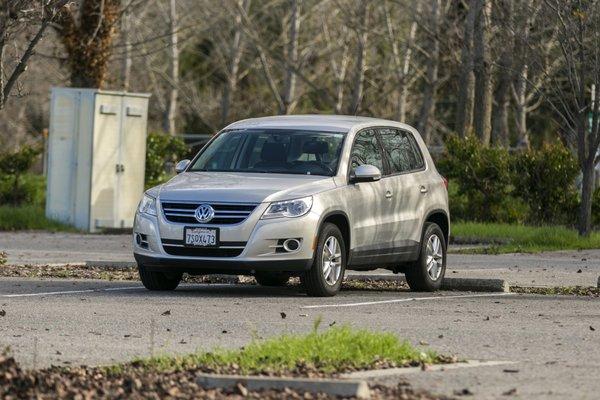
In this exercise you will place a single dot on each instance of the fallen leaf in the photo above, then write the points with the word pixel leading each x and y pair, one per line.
pixel 510 392
pixel 579 271
pixel 423 343
pixel 2 313
pixel 242 389
pixel 283 315
pixel 463 392
pixel 487 318
pixel 440 336
pixel 168 312
pixel 592 328
pixel 224 331
pixel 332 324
pixel 510 371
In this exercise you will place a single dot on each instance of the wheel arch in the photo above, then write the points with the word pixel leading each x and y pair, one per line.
pixel 340 219
pixel 440 217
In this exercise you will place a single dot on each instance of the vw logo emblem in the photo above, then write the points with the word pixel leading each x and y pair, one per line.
pixel 204 213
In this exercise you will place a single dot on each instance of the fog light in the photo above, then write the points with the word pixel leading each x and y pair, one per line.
pixel 291 244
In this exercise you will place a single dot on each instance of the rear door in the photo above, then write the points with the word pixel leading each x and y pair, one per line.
pixel 407 167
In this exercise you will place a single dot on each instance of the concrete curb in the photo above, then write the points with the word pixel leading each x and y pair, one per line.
pixel 458 284
pixel 384 373
pixel 345 388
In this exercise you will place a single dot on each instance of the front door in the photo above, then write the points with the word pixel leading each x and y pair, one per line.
pixel 367 201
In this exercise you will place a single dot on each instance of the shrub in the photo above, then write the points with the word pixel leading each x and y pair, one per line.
pixel 544 179
pixel 14 188
pixel 483 181
pixel 162 150
pixel 596 208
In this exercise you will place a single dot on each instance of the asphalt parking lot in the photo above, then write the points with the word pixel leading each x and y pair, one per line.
pixel 554 352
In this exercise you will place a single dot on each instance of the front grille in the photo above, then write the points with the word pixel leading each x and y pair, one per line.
pixel 225 213
pixel 226 249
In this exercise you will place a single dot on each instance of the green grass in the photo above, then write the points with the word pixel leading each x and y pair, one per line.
pixel 336 349
pixel 507 238
pixel 28 218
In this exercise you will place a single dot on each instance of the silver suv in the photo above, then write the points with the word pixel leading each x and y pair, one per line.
pixel 307 196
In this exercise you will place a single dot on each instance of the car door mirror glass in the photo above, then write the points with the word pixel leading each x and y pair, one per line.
pixel 181 166
pixel 365 173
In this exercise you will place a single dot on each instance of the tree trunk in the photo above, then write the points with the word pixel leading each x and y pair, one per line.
pixel 500 134
pixel 482 111
pixel 431 75
pixel 88 38
pixel 171 114
pixel 464 104
pixel 126 35
pixel 585 208
pixel 361 58
pixel 292 59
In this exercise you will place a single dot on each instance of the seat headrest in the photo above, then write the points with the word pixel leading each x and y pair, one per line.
pixel 273 152
pixel 315 147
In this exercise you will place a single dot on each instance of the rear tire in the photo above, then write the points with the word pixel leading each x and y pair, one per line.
pixel 327 273
pixel 271 278
pixel 153 280
pixel 426 274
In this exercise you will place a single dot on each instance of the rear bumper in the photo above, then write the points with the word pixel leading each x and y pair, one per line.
pixel 216 266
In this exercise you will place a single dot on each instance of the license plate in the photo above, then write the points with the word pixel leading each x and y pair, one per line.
pixel 201 237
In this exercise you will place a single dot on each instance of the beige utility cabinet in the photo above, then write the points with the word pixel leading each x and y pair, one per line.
pixel 96 157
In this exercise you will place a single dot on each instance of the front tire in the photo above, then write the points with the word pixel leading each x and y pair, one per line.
pixel 153 280
pixel 325 277
pixel 271 278
pixel 426 274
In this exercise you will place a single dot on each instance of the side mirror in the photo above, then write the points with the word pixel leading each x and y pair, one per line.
pixel 365 173
pixel 181 166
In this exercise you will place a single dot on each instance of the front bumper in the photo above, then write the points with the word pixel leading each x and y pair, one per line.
pixel 220 266
pixel 258 238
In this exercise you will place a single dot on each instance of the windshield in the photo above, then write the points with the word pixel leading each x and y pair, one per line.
pixel 276 151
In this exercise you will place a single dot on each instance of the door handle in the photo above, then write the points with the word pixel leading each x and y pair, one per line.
pixel 423 189
pixel 388 194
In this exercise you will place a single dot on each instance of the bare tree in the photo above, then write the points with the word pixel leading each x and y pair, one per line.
pixel 573 97
pixel 500 134
pixel 482 110
pixel 288 97
pixel 431 75
pixel 464 104
pixel 401 62
pixel 360 66
pixel 16 16
pixel 233 62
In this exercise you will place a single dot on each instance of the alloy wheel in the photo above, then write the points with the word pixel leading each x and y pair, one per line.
pixel 331 261
pixel 435 257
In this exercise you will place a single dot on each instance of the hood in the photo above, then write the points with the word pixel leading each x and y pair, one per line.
pixel 239 187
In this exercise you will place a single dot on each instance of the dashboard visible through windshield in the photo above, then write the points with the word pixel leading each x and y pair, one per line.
pixel 279 151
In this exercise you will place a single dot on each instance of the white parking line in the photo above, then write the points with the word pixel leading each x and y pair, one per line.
pixel 369 303
pixel 71 291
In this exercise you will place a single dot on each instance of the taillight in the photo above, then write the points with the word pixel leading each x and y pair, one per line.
pixel 445 182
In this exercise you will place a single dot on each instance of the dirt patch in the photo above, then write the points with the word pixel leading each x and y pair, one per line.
pixel 587 291
pixel 96 383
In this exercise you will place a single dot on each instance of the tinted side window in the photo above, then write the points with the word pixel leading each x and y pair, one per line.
pixel 366 150
pixel 402 150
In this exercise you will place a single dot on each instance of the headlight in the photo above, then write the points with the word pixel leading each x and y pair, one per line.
pixel 289 208
pixel 147 205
